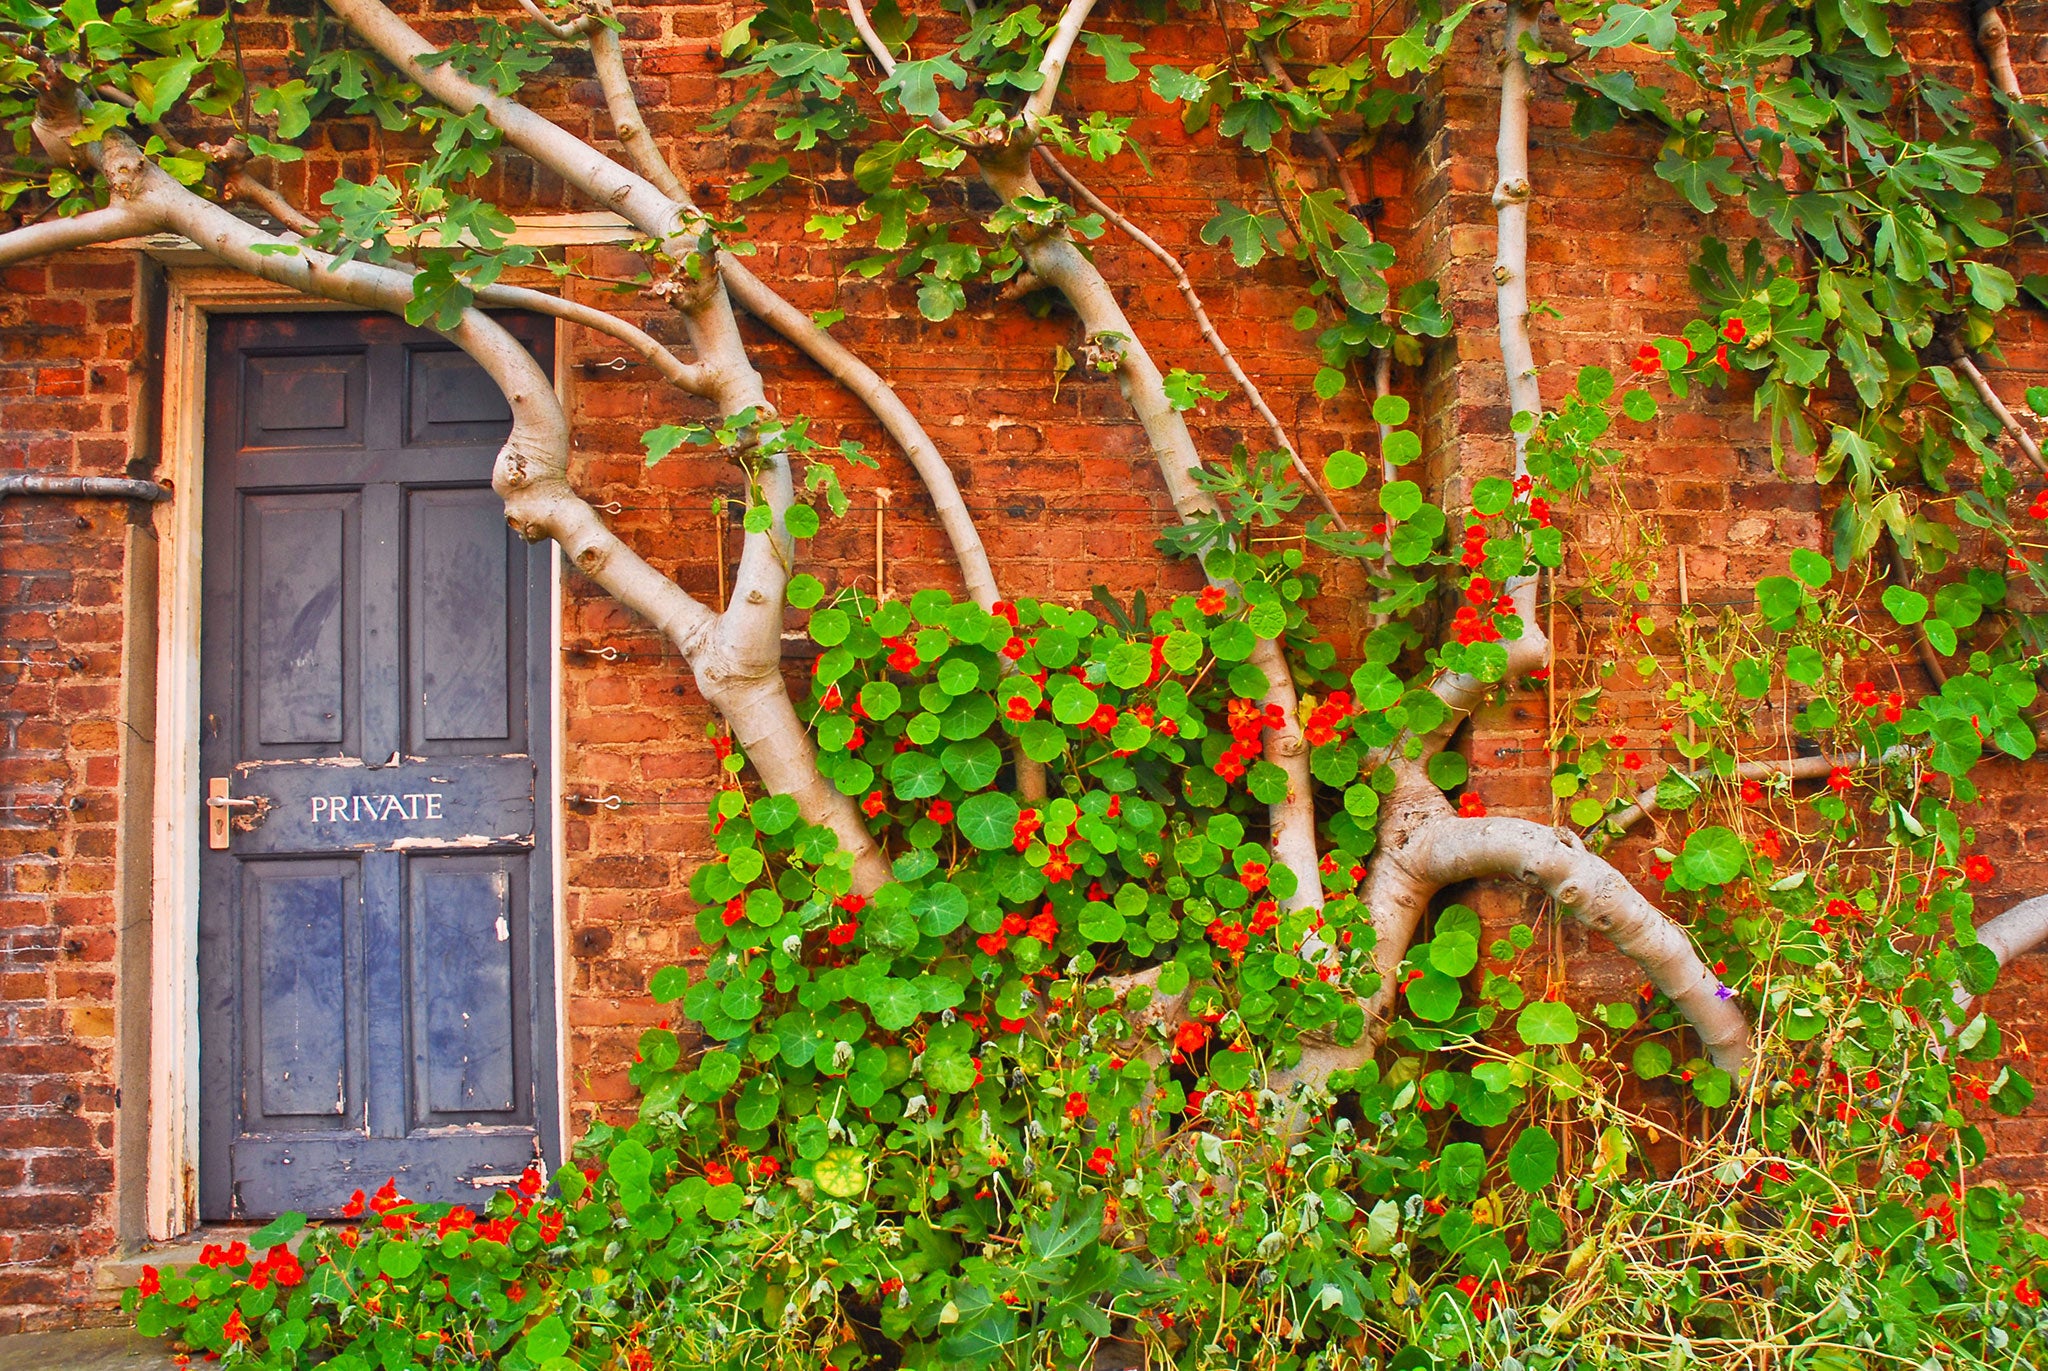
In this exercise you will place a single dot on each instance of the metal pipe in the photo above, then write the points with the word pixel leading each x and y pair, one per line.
pixel 81 487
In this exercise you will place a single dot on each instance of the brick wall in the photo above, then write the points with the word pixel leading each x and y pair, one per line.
pixel 1065 491
pixel 68 342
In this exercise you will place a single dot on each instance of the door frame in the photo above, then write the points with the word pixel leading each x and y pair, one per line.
pixel 171 1173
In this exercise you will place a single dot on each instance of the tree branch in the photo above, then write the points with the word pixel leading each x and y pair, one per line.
pixel 609 60
pixel 1511 196
pixel 1201 316
pixel 1053 64
pixel 1967 365
pixel 1993 39
pixel 730 379
pixel 1059 263
pixel 684 376
pixel 1795 768
pixel 1426 847
pixel 107 225
pixel 765 304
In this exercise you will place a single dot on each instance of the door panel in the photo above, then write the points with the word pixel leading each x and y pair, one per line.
pixel 299 922
pixel 304 401
pixel 467 959
pixel 468 602
pixel 299 566
pixel 376 943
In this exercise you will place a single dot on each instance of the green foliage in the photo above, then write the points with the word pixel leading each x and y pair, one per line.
pixel 1855 160
pixel 935 1125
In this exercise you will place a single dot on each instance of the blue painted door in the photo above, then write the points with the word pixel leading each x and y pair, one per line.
pixel 376 917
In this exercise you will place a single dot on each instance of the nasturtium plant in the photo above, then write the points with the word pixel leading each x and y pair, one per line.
pixel 1071 976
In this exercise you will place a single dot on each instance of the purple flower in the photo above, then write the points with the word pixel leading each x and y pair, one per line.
pixel 1722 992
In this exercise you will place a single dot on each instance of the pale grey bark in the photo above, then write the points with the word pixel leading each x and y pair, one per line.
pixel 2028 444
pixel 1796 768
pixel 1425 846
pixel 1994 41
pixel 1202 324
pixel 1056 260
pixel 64 235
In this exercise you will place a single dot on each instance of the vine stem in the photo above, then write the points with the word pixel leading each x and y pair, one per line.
pixel 1202 322
pixel 1967 365
pixel 1797 769
pixel 1994 41
pixel 1055 259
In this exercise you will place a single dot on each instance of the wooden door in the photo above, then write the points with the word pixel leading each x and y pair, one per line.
pixel 376 921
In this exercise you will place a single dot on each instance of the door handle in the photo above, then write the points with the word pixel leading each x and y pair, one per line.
pixel 220 809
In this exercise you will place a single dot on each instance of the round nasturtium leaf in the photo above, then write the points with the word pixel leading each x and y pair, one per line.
pixel 1907 606
pixel 829 627
pixel 1233 641
pixel 758 1103
pixel 842 1173
pixel 1391 410
pixel 988 820
pixel 1652 1060
pixel 774 813
pixel 1804 664
pixel 1714 855
pixel 1491 495
pixel 1042 741
pixel 1779 597
pixel 916 775
pixel 1547 1023
pixel 1434 996
pixel 1344 469
pixel 896 1005
pixel 399 1260
pixel 1454 953
pixel 1400 499
pixel 546 1339
pixel 1403 445
pixel 1532 1161
pixel 880 699
pixel 957 676
pixel 1099 923
pixel 1073 703
pixel 1810 567
pixel 804 590
pixel 973 764
pixel 1448 770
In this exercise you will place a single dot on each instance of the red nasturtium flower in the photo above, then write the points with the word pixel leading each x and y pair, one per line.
pixel 940 812
pixel 1077 1105
pixel 1190 1036
pixel 1735 331
pixel 1646 362
pixel 1212 600
pixel 1979 868
pixel 1471 806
